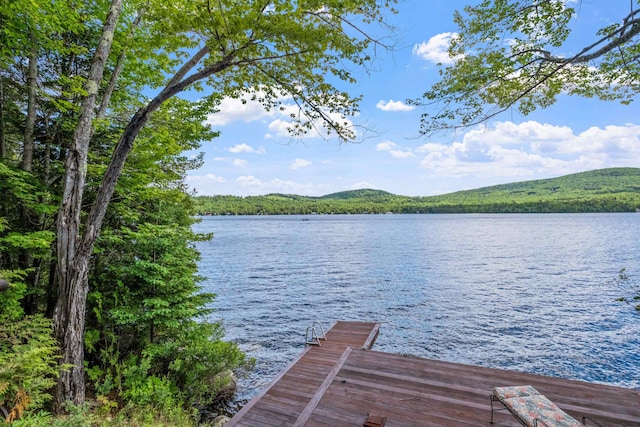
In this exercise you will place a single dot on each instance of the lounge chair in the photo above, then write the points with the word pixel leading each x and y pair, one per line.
pixel 532 409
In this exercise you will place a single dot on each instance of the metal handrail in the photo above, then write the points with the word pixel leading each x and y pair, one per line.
pixel 314 339
pixel 323 337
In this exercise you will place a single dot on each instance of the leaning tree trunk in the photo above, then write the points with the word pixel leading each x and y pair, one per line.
pixel 69 314
pixel 74 251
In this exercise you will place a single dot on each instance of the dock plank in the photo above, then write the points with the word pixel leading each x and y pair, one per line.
pixel 286 397
pixel 339 383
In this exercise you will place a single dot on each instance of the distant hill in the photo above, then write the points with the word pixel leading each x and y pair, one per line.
pixel 604 190
pixel 356 194
pixel 601 181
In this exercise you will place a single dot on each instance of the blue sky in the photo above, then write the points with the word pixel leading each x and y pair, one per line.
pixel 254 156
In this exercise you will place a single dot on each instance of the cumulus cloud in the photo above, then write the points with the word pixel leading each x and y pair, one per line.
pixel 620 142
pixel 255 185
pixel 436 50
pixel 246 148
pixel 299 163
pixel 392 105
pixel 246 109
pixel 393 149
pixel 239 163
pixel 208 178
pixel 385 146
pixel 531 148
pixel 363 185
pixel 205 183
pixel 283 126
pixel 234 109
pixel 524 150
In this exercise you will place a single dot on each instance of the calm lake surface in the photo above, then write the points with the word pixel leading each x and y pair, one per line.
pixel 531 293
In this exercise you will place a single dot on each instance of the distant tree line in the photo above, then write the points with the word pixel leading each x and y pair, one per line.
pixel 603 190
pixel 266 205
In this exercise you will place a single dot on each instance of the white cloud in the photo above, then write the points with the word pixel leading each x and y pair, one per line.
pixel 436 50
pixel 526 150
pixel 385 146
pixel 234 109
pixel 392 105
pixel 279 127
pixel 257 186
pixel 208 177
pixel 206 183
pixel 363 185
pixel 615 141
pixel 248 180
pixel 299 163
pixel 282 127
pixel 392 148
pixel 520 151
pixel 246 109
pixel 401 154
pixel 530 131
pixel 246 148
pixel 239 163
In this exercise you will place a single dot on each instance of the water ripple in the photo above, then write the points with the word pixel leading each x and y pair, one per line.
pixel 524 292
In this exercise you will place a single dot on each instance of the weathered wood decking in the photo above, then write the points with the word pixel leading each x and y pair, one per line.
pixel 327 386
pixel 283 399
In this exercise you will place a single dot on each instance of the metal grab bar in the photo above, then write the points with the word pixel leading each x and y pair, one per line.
pixel 312 337
pixel 323 337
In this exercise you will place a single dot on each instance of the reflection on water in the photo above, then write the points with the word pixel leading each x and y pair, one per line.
pixel 522 292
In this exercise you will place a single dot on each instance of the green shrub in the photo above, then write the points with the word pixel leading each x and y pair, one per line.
pixel 28 364
pixel 199 362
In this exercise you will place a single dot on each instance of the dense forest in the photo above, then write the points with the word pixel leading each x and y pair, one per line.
pixel 102 318
pixel 101 312
pixel 605 190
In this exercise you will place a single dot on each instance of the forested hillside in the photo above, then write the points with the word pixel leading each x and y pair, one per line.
pixel 604 190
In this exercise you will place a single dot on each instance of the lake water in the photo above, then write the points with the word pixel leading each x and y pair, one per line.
pixel 533 293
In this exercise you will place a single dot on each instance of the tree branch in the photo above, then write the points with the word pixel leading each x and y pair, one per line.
pixel 633 25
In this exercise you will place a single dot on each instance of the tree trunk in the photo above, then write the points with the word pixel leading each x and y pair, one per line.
pixel 74 252
pixel 69 314
pixel 24 256
pixel 32 75
pixel 3 146
pixel 108 91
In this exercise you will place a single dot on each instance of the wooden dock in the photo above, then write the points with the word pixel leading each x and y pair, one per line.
pixel 327 386
pixel 283 399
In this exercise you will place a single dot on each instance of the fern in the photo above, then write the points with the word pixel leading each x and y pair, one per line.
pixel 28 364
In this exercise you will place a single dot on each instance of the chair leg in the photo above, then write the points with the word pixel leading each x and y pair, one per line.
pixel 585 418
pixel 491 397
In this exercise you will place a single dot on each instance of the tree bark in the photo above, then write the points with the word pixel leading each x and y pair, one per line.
pixel 32 75
pixel 72 271
pixel 3 146
pixel 74 250
pixel 24 256
pixel 115 75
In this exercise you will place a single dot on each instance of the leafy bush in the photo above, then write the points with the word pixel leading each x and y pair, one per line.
pixel 28 364
pixel 191 369
pixel 145 344
pixel 199 363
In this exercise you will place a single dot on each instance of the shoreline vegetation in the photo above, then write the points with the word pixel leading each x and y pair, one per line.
pixel 603 190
